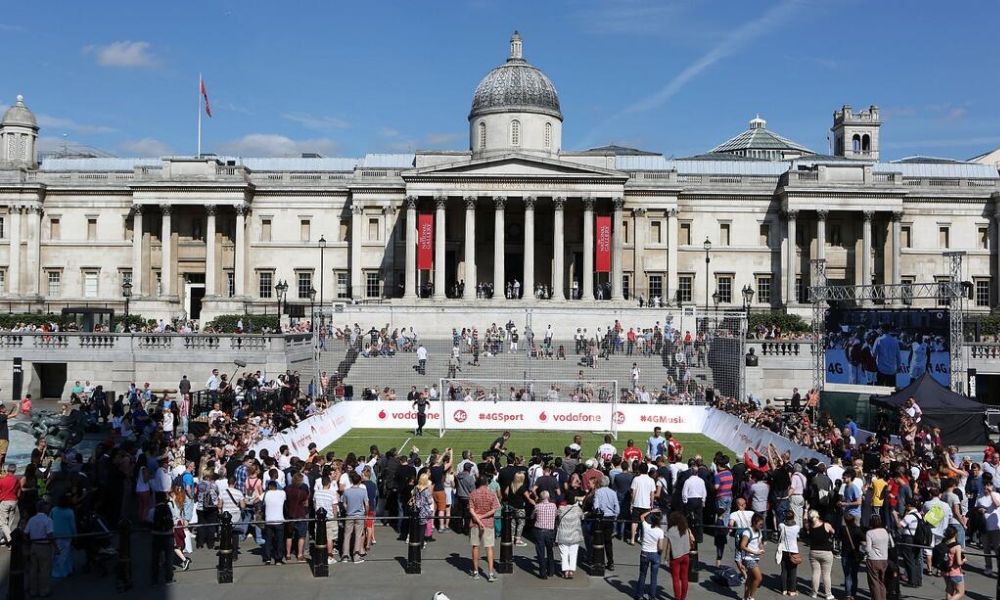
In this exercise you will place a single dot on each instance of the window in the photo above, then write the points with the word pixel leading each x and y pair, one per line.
pixel 685 235
pixel 55 230
pixel 230 282
pixel 373 229
pixel 373 284
pixel 91 228
pixel 684 285
pixel 905 236
pixel 304 230
pixel 345 229
pixel 982 292
pixel 304 283
pixel 343 284
pixel 906 292
pixel 627 285
pixel 856 143
pixel 515 133
pixel 3 280
pixel 836 235
pixel 158 276
pixel 265 230
pixel 724 234
pixel 265 284
pixel 944 290
pixel 3 228
pixel 482 135
pixel 55 283
pixel 724 286
pixel 90 283
pixel 764 234
pixel 656 232
pixel 125 276
pixel 944 236
pixel 548 136
pixel 624 232
pixel 655 286
pixel 763 294
pixel 801 290
pixel 983 236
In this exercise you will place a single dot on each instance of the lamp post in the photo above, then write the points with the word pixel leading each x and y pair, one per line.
pixel 708 248
pixel 322 273
pixel 747 299
pixel 715 300
pixel 280 288
pixel 127 294
pixel 312 309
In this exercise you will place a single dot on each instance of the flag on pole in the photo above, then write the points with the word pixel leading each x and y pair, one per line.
pixel 204 95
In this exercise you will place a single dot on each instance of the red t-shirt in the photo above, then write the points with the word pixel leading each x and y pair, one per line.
pixel 632 453
pixel 10 488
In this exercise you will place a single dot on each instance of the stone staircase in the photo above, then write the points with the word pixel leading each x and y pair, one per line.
pixel 399 372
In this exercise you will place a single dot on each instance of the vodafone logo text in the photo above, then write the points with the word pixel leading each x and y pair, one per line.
pixel 409 414
pixel 577 417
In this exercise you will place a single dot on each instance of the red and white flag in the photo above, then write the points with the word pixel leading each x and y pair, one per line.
pixel 204 95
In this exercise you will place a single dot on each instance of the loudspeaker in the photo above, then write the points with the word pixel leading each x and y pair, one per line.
pixel 348 391
pixel 709 396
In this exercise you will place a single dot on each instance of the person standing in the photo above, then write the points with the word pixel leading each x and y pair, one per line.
pixel 751 544
pixel 162 537
pixel 569 536
pixel 954 576
pixel 4 434
pixel 296 510
pixel 641 492
pixel 10 490
pixel 680 540
pixel 607 506
pixel 989 504
pixel 420 403
pixel 821 553
pixel 545 535
pixel 63 529
pixel 877 544
pixel 693 496
pixel 788 545
pixel 356 506
pixel 274 524
pixel 886 351
pixel 653 544
pixel 483 505
pixel 422 360
pixel 212 385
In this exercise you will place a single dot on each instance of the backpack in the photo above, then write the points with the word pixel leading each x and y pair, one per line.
pixel 934 515
pixel 941 556
pixel 727 577
pixel 923 535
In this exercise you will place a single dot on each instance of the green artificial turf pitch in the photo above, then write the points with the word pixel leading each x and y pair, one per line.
pixel 521 442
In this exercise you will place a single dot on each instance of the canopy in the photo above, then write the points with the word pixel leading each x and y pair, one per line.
pixel 960 418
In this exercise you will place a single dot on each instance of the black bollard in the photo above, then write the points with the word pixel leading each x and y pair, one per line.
pixel 693 563
pixel 224 570
pixel 320 566
pixel 123 570
pixel 892 591
pixel 414 546
pixel 506 562
pixel 998 578
pixel 597 546
pixel 15 581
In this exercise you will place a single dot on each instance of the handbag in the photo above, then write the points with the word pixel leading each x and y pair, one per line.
pixel 793 557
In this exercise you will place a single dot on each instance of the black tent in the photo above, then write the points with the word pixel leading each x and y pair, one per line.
pixel 960 418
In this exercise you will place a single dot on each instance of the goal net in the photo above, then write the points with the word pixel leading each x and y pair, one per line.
pixel 530 401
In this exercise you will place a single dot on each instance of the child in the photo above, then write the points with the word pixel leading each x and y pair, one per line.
pixel 721 535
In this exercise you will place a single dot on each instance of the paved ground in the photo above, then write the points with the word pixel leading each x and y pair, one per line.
pixel 445 568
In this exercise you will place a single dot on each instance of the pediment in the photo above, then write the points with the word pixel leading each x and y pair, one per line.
pixel 513 165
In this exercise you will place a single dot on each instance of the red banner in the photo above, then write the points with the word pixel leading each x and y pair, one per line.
pixel 425 242
pixel 603 245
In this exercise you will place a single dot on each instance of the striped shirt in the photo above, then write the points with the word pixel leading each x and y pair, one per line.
pixel 724 484
pixel 545 515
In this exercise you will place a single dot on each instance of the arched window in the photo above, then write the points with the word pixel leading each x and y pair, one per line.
pixel 866 143
pixel 856 143
pixel 515 133
pixel 548 136
pixel 482 135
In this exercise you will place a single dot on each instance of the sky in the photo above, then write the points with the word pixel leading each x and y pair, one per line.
pixel 348 78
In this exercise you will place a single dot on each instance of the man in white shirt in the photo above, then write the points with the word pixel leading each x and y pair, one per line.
pixel 213 385
pixel 912 410
pixel 422 360
pixel 274 524
pixel 989 503
pixel 325 496
pixel 40 551
pixel 642 490
pixel 836 471
pixel 606 451
pixel 161 481
pixel 693 495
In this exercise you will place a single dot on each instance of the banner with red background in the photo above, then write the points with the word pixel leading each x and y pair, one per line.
pixel 602 264
pixel 425 242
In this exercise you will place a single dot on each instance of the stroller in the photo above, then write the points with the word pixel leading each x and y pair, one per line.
pixel 96 542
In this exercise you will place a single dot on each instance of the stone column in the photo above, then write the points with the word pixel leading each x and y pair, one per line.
pixel 137 237
pixel 638 241
pixel 617 242
pixel 389 217
pixel 897 274
pixel 410 291
pixel 14 269
pixel 672 281
pixel 470 248
pixel 498 247
pixel 240 264
pixel 866 252
pixel 210 253
pixel 33 265
pixel 528 285
pixel 166 253
pixel 791 258
pixel 558 249
pixel 588 249
pixel 357 284
pixel 821 234
pixel 440 204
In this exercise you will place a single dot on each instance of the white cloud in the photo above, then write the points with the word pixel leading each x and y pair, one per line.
pixel 123 54
pixel 273 144
pixel 147 147
pixel 62 124
pixel 317 123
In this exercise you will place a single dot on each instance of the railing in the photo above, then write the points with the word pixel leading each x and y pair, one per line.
pixel 984 351
pixel 153 341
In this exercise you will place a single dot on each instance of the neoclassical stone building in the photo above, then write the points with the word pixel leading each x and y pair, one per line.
pixel 199 236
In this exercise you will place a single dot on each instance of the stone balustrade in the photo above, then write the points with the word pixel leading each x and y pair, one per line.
pixel 72 342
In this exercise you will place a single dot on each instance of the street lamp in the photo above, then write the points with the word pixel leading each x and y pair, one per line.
pixel 715 300
pixel 747 298
pixel 126 293
pixel 280 288
pixel 312 308
pixel 708 248
pixel 322 272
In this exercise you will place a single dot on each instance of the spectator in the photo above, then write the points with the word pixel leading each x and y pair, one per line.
pixel 680 540
pixel 483 505
pixel 545 517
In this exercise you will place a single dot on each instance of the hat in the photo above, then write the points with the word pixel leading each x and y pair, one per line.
pixel 591 463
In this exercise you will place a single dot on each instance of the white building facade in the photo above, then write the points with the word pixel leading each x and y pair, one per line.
pixel 198 237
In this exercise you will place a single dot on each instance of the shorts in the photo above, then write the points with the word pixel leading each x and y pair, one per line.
pixel 482 537
pixel 370 519
pixel 956 579
pixel 332 528
pixel 440 501
pixel 298 529
pixel 751 562
pixel 4 444
pixel 637 513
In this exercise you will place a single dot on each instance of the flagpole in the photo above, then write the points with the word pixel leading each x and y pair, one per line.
pixel 199 115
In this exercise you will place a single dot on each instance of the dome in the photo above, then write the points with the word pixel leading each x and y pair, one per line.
pixel 19 114
pixel 515 86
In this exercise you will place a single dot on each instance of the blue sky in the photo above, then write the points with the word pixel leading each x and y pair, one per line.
pixel 345 78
